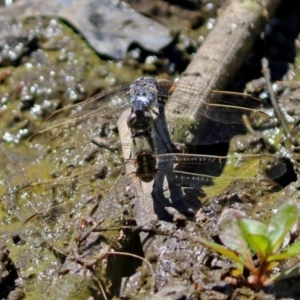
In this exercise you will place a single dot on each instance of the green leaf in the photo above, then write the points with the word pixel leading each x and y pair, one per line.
pixel 286 274
pixel 281 223
pixel 254 233
pixel 292 251
pixel 249 227
pixel 230 233
pixel 222 250
pixel 259 244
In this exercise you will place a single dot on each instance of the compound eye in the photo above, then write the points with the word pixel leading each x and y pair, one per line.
pixel 131 120
pixel 148 117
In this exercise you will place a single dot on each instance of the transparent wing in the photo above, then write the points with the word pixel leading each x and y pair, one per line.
pixel 202 170
pixel 100 105
pixel 53 210
pixel 211 111
pixel 220 106
pixel 71 135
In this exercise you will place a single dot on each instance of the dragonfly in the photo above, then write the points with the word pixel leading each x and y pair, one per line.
pixel 84 169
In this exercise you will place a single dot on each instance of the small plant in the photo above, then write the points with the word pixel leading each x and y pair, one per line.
pixel 244 237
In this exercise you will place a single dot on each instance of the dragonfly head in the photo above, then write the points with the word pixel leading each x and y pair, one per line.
pixel 140 120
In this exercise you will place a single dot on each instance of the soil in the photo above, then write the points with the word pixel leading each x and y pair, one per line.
pixel 79 236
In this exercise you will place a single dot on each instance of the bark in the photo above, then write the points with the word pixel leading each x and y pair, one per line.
pixel 223 52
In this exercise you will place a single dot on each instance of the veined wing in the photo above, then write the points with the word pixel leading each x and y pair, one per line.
pixel 69 132
pixel 97 106
pixel 52 210
pixel 46 205
pixel 220 106
pixel 198 170
pixel 211 174
pixel 211 117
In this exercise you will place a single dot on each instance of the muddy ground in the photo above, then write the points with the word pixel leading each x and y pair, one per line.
pixel 60 239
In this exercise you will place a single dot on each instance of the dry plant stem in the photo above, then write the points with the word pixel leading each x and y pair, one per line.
pixel 144 209
pixel 223 52
pixel 140 258
pixel 278 112
pixel 90 263
pixel 83 237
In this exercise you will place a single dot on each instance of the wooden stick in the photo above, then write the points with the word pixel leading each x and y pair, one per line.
pixel 222 53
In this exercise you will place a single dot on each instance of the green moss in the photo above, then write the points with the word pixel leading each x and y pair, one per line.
pixel 253 5
pixel 237 168
pixel 179 129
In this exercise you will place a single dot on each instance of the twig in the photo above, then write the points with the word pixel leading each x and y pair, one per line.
pixel 277 109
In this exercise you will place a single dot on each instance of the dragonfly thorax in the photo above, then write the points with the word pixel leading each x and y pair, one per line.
pixel 143 93
pixel 145 164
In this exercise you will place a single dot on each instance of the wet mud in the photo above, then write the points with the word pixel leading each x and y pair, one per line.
pixel 78 236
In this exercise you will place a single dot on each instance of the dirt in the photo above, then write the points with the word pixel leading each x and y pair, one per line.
pixel 59 240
